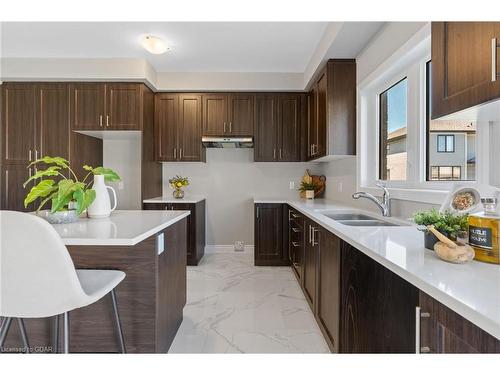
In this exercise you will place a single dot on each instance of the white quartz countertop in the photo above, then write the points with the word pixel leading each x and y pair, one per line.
pixel 122 228
pixel 472 289
pixel 170 199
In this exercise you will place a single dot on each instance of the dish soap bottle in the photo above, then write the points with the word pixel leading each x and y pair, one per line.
pixel 484 232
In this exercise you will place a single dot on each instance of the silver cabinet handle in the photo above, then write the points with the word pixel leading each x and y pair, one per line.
pixel 280 153
pixel 494 47
pixel 310 236
pixel 418 315
pixel 274 153
pixel 296 230
pixel 29 155
pixel 180 153
pixel 175 153
pixel 100 121
pixel 36 155
pixel 107 120
pixel 224 126
pixel 295 244
pixel 257 212
pixel 230 126
pixel 314 231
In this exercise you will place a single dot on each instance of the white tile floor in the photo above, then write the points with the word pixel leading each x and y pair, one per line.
pixel 234 307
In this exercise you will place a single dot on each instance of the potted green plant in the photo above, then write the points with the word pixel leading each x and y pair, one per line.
pixel 177 183
pixel 309 188
pixel 68 196
pixel 450 224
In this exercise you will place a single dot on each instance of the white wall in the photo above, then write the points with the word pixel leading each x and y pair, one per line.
pixel 124 157
pixel 230 180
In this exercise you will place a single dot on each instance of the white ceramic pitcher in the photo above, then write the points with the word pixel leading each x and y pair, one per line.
pixel 101 207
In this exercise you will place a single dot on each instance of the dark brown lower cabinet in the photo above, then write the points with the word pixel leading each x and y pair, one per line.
pixel 195 226
pixel 270 236
pixel 377 307
pixel 328 291
pixel 444 331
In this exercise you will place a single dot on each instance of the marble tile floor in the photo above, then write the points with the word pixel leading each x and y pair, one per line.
pixel 235 307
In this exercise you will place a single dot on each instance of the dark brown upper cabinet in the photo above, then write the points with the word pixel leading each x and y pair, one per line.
pixel 465 67
pixel 178 127
pixel 277 127
pixel 35 123
pixel 331 123
pixel 228 114
pixel 106 106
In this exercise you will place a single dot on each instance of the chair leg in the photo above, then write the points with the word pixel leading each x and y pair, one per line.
pixel 55 335
pixel 4 330
pixel 117 321
pixel 66 332
pixel 24 336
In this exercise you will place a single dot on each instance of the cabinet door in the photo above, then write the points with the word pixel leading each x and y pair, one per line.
pixel 462 70
pixel 13 192
pixel 240 115
pixel 87 106
pixel 321 120
pixel 52 120
pixel 328 306
pixel 289 128
pixel 296 238
pixel 123 106
pixel 215 114
pixel 18 123
pixel 310 263
pixel 269 235
pixel 312 130
pixel 266 120
pixel 166 125
pixel 190 147
pixel 444 331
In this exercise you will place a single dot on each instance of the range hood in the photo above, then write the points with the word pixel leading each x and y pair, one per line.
pixel 227 142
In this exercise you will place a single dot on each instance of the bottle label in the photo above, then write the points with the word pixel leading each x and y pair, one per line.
pixel 480 237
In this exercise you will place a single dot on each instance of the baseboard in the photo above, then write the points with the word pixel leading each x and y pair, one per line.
pixel 221 249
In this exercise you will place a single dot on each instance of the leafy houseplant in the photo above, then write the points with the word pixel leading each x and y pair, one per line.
pixel 309 188
pixel 177 183
pixel 448 223
pixel 69 193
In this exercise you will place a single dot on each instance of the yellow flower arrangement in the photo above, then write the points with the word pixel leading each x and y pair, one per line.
pixel 178 182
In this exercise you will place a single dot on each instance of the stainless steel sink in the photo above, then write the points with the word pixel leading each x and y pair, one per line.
pixel 348 216
pixel 368 223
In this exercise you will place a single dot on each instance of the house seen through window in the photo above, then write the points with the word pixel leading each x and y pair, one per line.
pixel 451 146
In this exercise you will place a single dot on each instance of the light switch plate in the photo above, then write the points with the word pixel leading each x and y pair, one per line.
pixel 292 185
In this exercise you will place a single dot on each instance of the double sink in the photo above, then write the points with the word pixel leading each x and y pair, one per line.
pixel 356 219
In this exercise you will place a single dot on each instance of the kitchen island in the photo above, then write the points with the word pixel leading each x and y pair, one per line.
pixel 150 247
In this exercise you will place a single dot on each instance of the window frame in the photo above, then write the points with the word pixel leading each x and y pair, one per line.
pixel 453 167
pixel 446 137
pixel 408 60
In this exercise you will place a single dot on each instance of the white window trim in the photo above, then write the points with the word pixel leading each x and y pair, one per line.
pixel 408 61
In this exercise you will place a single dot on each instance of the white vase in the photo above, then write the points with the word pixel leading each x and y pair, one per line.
pixel 101 207
pixel 310 194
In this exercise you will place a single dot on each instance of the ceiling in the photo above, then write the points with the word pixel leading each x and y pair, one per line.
pixel 196 46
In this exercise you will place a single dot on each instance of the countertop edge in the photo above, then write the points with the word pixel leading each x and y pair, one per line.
pixel 454 304
pixel 124 242
pixel 164 199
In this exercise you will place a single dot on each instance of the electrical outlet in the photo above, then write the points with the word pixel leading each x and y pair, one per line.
pixel 239 246
pixel 120 185
pixel 292 185
pixel 339 187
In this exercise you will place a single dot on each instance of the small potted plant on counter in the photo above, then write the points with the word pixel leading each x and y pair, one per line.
pixel 449 224
pixel 308 188
pixel 68 196
pixel 177 183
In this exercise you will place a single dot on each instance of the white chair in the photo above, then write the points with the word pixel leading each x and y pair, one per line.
pixel 38 278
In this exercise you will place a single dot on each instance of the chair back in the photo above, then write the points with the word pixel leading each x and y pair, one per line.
pixel 37 276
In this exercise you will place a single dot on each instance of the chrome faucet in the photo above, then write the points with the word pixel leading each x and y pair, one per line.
pixel 384 205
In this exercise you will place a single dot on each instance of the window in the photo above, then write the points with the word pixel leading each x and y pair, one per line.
pixel 445 143
pixel 393 157
pixel 446 173
pixel 449 143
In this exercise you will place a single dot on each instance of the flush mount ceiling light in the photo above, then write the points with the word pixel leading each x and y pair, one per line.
pixel 154 45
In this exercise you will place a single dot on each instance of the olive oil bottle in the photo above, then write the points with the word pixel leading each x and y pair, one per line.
pixel 484 232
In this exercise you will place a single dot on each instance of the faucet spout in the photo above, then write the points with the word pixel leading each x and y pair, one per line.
pixel 384 205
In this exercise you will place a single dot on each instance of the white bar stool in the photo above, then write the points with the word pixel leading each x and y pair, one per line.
pixel 39 279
